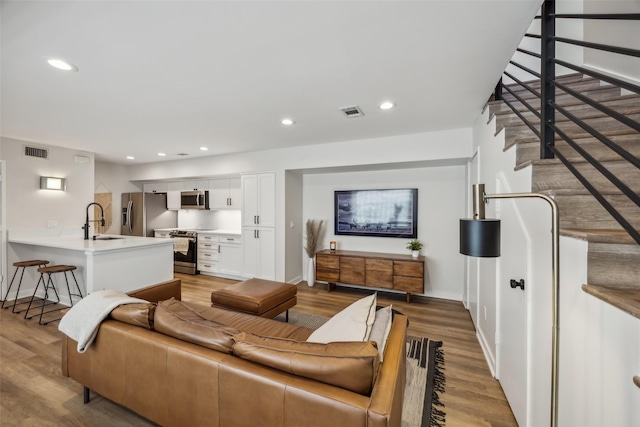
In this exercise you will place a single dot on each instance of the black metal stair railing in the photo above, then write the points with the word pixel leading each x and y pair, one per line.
pixel 547 130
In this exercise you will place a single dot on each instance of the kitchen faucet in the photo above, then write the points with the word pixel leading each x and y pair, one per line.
pixel 87 221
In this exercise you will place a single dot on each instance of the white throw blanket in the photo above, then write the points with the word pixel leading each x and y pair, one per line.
pixel 81 323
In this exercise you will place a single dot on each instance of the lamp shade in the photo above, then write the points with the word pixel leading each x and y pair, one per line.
pixel 480 237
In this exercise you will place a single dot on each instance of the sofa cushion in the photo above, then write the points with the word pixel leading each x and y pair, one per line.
pixel 351 324
pixel 349 365
pixel 135 314
pixel 177 320
pixel 381 328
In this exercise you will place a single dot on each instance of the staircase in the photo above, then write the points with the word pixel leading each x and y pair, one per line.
pixel 613 256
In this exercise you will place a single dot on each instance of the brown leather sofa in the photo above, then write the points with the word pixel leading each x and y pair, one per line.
pixel 177 383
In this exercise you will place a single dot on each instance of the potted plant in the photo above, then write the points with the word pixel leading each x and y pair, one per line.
pixel 314 236
pixel 414 246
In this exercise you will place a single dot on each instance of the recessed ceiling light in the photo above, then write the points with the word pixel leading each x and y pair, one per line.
pixel 62 65
pixel 387 105
pixel 287 122
pixel 130 158
pixel 203 148
pixel 161 154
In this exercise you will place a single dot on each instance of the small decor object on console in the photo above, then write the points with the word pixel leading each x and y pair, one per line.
pixel 414 246
pixel 332 246
pixel 314 236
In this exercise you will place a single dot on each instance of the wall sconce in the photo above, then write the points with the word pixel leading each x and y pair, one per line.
pixel 480 237
pixel 52 183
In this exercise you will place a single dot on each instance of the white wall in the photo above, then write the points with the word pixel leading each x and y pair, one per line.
pixel 440 206
pixel 30 207
pixel 626 34
pixel 569 28
pixel 293 220
pixel 230 220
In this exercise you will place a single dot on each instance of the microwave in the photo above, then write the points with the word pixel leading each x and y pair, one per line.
pixel 198 199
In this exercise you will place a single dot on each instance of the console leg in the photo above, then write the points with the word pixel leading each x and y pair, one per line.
pixel 330 287
pixel 86 392
pixel 286 316
pixel 408 297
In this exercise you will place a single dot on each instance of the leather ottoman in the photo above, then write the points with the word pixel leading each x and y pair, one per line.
pixel 263 298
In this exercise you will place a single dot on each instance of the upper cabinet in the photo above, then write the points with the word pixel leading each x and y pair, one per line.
pixel 200 184
pixel 225 193
pixel 259 200
pixel 155 187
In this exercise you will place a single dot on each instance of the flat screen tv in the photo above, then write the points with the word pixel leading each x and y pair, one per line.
pixel 381 213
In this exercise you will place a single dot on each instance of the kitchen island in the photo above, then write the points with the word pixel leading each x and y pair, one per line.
pixel 122 263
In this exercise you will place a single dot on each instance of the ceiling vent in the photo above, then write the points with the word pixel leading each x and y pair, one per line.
pixel 183 154
pixel 351 112
pixel 41 153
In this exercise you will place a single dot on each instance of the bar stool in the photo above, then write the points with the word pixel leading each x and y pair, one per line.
pixel 18 265
pixel 49 285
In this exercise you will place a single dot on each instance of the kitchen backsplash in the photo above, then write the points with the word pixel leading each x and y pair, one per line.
pixel 220 219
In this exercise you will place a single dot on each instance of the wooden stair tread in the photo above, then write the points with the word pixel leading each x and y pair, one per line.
pixel 599 236
pixel 606 95
pixel 625 299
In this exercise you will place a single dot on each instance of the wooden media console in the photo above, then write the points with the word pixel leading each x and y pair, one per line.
pixel 371 269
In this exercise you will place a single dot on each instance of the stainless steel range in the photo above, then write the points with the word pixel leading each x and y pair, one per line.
pixel 185 256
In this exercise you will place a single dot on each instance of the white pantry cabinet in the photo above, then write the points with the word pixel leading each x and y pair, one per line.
pixel 259 200
pixel 258 245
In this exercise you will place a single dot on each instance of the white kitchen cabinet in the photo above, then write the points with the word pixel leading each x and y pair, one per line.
pixel 230 255
pixel 174 186
pixel 155 187
pixel 259 200
pixel 208 256
pixel 225 193
pixel 259 252
pixel 198 184
pixel 173 200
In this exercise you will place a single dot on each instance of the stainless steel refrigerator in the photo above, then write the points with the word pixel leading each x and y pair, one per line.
pixel 144 212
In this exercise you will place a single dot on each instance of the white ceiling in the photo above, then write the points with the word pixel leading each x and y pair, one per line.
pixel 172 76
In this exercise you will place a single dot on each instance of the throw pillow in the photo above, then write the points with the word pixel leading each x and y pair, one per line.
pixel 349 365
pixel 354 323
pixel 381 328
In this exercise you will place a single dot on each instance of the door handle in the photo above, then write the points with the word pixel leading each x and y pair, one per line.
pixel 517 284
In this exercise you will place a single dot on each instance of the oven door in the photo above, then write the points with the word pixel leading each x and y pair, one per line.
pixel 185 257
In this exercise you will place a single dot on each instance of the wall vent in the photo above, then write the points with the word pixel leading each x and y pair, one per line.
pixel 353 111
pixel 41 153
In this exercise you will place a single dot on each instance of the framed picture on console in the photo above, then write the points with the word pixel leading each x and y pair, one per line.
pixel 380 213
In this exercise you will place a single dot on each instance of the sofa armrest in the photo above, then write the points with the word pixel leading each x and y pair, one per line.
pixel 385 408
pixel 159 292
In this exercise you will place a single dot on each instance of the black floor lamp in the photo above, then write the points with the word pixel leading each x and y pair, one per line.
pixel 480 237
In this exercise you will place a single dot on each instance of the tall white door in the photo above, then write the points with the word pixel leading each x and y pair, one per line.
pixel 511 361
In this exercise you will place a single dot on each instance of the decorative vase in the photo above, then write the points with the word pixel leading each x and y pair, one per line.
pixel 311 273
pixel 415 254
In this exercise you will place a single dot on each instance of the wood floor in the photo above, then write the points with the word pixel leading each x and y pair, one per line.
pixel 34 393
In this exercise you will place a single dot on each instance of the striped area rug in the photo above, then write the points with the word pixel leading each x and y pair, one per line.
pixel 425 377
pixel 425 382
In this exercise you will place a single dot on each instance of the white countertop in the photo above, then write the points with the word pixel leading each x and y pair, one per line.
pixel 219 231
pixel 203 230
pixel 77 243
